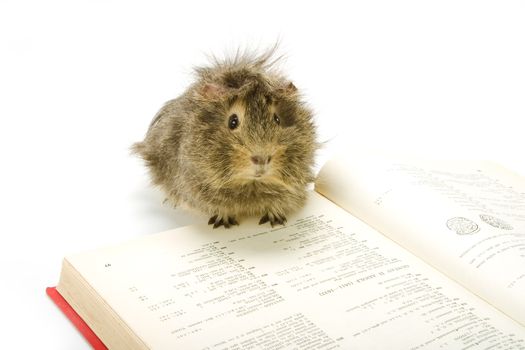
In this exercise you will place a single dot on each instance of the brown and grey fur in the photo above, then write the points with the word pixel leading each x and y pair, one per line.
pixel 260 168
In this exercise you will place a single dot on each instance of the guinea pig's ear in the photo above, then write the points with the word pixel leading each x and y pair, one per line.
pixel 287 89
pixel 210 91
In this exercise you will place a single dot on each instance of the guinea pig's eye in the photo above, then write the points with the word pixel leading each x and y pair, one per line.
pixel 277 119
pixel 233 122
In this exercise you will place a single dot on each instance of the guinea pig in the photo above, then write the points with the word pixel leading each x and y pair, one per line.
pixel 238 142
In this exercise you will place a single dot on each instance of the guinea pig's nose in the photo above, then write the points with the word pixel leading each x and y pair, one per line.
pixel 258 160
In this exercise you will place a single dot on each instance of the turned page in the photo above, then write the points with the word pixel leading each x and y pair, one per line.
pixel 325 280
pixel 467 219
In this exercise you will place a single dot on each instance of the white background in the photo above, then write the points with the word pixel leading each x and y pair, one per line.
pixel 81 80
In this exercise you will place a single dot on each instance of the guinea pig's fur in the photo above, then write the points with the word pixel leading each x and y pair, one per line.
pixel 238 142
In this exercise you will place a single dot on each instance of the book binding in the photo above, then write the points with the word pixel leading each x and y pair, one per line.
pixel 75 318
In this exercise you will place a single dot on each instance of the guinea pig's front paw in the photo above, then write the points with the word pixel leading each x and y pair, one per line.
pixel 273 218
pixel 219 220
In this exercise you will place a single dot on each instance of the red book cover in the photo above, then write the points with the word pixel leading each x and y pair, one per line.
pixel 77 321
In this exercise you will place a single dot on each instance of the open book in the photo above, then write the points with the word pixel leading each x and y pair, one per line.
pixel 386 254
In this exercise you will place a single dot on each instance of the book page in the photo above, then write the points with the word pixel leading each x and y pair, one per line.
pixel 324 281
pixel 467 219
